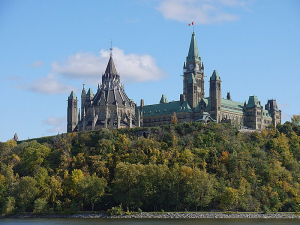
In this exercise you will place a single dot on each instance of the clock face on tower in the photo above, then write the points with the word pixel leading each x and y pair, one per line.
pixel 191 66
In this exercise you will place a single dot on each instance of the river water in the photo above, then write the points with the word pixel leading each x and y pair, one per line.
pixel 56 221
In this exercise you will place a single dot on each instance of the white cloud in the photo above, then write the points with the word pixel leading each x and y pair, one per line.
pixel 200 11
pixel 37 64
pixel 48 85
pixel 58 124
pixel 89 67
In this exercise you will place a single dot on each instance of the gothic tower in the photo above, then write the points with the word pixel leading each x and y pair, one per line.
pixel 192 91
pixel 193 65
pixel 72 112
pixel 272 107
pixel 83 98
pixel 215 96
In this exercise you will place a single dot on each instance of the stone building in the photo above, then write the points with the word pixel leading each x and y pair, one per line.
pixel 194 106
pixel 111 108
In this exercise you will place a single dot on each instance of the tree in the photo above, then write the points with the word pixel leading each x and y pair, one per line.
pixel 229 199
pixel 32 156
pixel 40 206
pixel 174 119
pixel 296 119
pixel 91 189
pixel 76 176
pixel 8 205
pixel 55 189
pixel 200 188
pixel 126 184
pixel 25 192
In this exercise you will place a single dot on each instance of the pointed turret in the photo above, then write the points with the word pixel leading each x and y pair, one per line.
pixel 193 51
pixel 111 69
pixel 72 95
pixel 16 138
pixel 163 99
pixel 90 94
pixel 83 91
pixel 215 76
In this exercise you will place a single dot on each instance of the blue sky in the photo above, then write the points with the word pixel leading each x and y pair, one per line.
pixel 48 48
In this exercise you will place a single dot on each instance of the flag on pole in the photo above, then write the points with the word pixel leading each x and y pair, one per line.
pixel 192 23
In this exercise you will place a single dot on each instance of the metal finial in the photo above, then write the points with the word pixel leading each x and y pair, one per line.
pixel 111 47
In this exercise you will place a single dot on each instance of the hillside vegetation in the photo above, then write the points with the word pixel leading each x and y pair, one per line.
pixel 189 166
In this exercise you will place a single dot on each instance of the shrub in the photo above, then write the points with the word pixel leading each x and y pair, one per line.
pixel 115 211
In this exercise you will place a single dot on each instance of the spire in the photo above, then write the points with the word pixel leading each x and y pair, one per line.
pixel 83 93
pixel 16 138
pixel 193 51
pixel 72 95
pixel 111 69
pixel 215 76
pixel 163 99
pixel 90 93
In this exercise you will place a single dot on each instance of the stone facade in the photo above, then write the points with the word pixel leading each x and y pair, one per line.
pixel 111 108
pixel 194 106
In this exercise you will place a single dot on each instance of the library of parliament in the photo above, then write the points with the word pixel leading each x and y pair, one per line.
pixel 110 107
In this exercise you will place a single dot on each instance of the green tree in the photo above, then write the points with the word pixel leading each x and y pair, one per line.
pixel 200 188
pixel 32 157
pixel 25 192
pixel 229 199
pixel 55 189
pixel 40 206
pixel 8 205
pixel 91 189
pixel 296 119
pixel 126 184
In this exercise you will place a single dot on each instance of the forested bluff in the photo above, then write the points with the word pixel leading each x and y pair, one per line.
pixel 177 167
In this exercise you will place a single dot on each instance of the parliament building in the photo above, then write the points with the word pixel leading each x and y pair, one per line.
pixel 110 107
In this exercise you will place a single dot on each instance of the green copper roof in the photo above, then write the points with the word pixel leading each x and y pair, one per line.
pixel 193 51
pixel 72 95
pixel 192 79
pixel 163 99
pixel 215 76
pixel 90 93
pixel 253 101
pixel 232 106
pixel 166 109
pixel 267 114
pixel 207 103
